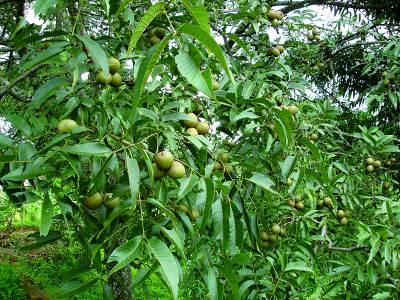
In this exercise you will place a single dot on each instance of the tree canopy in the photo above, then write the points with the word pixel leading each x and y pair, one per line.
pixel 237 149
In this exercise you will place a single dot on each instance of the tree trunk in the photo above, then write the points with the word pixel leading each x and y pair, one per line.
pixel 121 284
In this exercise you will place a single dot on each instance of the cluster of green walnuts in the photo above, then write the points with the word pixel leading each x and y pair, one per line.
pixel 114 78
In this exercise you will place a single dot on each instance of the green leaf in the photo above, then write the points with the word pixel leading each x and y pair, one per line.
pixel 124 254
pixel 133 173
pixel 247 114
pixel 188 69
pixel 207 40
pixel 187 185
pixel 96 52
pixel 44 55
pixel 174 237
pixel 263 181
pixel 46 90
pixel 167 262
pixel 212 285
pixel 20 123
pixel 41 6
pixel 298 266
pixel 73 288
pixel 122 7
pixel 46 216
pixel 199 13
pixel 210 196
pixel 145 69
pixel 241 44
pixel 145 21
pixel 288 166
pixel 375 246
pixel 5 141
pixel 176 116
pixel 95 149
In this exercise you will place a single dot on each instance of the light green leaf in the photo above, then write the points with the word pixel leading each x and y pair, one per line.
pixel 145 69
pixel 46 216
pixel 247 114
pixel 122 7
pixel 210 195
pixel 189 70
pixel 44 55
pixel 96 52
pixel 46 90
pixel 288 166
pixel 133 173
pixel 187 184
pixel 298 266
pixel 167 262
pixel 41 6
pixel 95 149
pixel 145 21
pixel 124 254
pixel 199 13
pixel 174 237
pixel 263 181
pixel 20 123
pixel 207 40
pixel 5 141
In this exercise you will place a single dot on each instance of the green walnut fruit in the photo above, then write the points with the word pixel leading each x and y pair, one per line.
pixel 310 37
pixel 388 163
pixel 271 15
pixel 228 169
pixel 265 244
pixel 278 15
pixel 192 122
pixel 293 109
pixel 321 65
pixel 102 78
pixel 272 238
pixel 158 173
pixel 264 236
pixel 344 221
pixel 114 65
pixel 315 31
pixel 215 85
pixel 177 170
pixel 164 160
pixel 289 181
pixel 66 125
pixel 282 232
pixel 159 32
pixel 393 160
pixel 320 203
pixel 370 168
pixel 193 215
pixel 314 137
pixel 369 161
pixel 386 185
pixel 291 203
pixel 276 229
pixel 224 157
pixel 317 37
pixel 112 203
pixel 327 201
pixel 340 214
pixel 192 131
pixel 94 201
pixel 300 205
pixel 154 40
pixel 347 213
pixel 275 23
pixel 182 207
pixel 298 198
pixel 280 48
pixel 202 128
pixel 116 80
pixel 377 164
pixel 275 51
pixel 217 166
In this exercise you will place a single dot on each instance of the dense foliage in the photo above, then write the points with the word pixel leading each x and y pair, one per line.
pixel 283 184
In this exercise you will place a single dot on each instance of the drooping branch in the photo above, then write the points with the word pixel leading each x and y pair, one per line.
pixel 14 91
pixel 333 248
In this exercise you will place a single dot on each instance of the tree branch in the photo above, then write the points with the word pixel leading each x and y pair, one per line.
pixel 293 5
pixel 18 79
pixel 333 248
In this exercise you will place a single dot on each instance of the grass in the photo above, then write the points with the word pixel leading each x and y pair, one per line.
pixel 47 266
